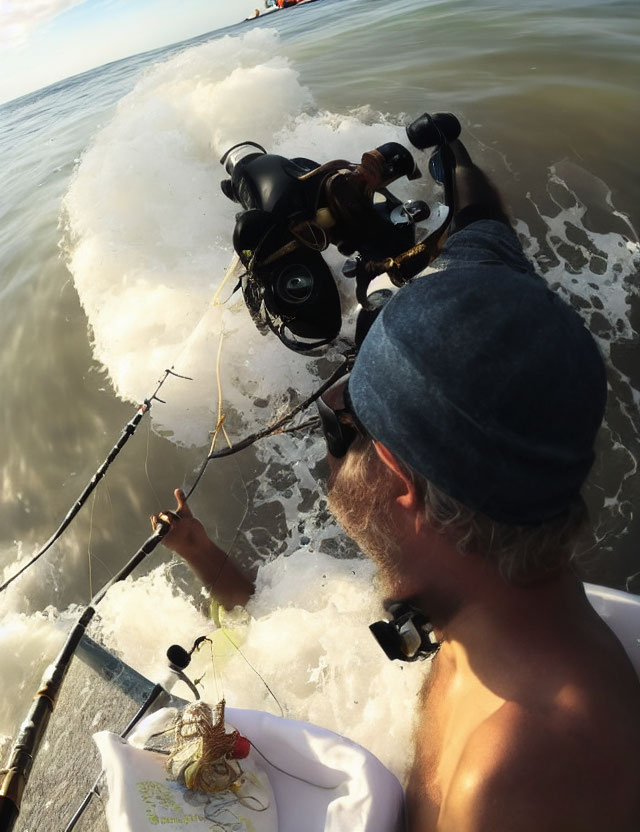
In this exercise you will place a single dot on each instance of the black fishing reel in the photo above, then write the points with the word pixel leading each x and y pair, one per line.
pixel 295 208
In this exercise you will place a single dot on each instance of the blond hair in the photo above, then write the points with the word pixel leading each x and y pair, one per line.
pixel 523 553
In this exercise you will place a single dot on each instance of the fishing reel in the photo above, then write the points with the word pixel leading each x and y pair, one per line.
pixel 293 209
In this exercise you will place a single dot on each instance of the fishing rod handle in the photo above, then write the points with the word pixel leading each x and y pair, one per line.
pixel 35 725
pixel 8 811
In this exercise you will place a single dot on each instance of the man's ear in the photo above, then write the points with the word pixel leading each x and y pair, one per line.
pixel 409 498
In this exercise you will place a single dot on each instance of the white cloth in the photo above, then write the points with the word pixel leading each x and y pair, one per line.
pixel 366 796
pixel 143 797
pixel 347 789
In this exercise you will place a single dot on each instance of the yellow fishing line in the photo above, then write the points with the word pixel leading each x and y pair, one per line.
pixel 221 415
pixel 225 633
pixel 231 271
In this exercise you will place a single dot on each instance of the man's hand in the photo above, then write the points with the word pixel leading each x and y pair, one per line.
pixel 186 536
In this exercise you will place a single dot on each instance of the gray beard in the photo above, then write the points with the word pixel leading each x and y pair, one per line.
pixel 360 494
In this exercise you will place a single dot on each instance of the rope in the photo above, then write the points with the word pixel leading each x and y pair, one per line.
pixel 199 757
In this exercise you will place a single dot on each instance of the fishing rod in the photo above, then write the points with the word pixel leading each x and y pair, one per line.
pixel 279 425
pixel 127 432
pixel 35 724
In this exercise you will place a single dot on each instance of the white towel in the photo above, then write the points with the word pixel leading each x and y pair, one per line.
pixel 337 786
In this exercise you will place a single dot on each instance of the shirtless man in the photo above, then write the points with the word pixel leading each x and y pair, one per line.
pixel 457 452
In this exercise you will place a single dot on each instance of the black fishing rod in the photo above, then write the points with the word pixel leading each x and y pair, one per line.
pixel 127 432
pixel 278 426
pixel 34 726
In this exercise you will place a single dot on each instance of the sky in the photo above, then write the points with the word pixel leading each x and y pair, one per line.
pixel 43 41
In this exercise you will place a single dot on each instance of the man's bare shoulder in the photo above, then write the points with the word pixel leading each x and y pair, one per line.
pixel 556 768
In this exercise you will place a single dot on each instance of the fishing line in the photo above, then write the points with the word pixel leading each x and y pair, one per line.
pixel 221 416
pixel 146 465
pixel 126 434
pixel 288 773
pixel 217 676
pixel 91 555
pixel 215 673
pixel 220 426
pixel 262 679
pixel 115 524
pixel 197 644
pixel 234 267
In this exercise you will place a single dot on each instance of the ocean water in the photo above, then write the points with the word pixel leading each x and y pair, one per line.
pixel 115 240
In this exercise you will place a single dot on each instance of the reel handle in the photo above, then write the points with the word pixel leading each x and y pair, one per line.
pixel 429 130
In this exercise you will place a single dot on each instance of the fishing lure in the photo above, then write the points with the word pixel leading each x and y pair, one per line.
pixel 205 757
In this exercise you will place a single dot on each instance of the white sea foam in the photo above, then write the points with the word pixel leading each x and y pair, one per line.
pixel 305 633
pixel 149 230
pixel 602 265
pixel 596 268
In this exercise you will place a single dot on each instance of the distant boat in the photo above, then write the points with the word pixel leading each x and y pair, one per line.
pixel 277 6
